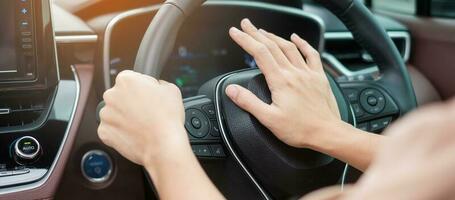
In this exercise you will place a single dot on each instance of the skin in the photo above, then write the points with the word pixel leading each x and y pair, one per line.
pixel 157 139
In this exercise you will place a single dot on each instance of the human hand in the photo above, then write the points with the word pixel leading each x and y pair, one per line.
pixel 143 119
pixel 303 104
pixel 417 160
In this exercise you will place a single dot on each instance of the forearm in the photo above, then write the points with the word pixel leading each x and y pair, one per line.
pixel 184 174
pixel 348 144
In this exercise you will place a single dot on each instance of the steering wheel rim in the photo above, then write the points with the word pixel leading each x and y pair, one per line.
pixel 160 38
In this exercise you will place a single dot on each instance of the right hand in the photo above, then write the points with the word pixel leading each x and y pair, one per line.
pixel 303 102
pixel 143 120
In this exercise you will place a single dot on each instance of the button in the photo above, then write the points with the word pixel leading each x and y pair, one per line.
pixel 96 166
pixel 196 123
pixel 191 123
pixel 26 33
pixel 24 24
pixel 351 94
pixel 357 110
pixel 26 39
pixel 217 150
pixel 201 150
pixel 372 101
pixel 363 126
pixel 24 11
pixel 380 124
pixel 210 111
pixel 27 148
pixel 27 46
pixel 215 129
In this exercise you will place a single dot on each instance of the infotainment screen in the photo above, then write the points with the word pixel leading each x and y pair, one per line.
pixel 8 57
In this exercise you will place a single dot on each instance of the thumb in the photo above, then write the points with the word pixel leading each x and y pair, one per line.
pixel 249 102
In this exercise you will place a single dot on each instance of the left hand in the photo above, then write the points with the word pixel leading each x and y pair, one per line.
pixel 144 119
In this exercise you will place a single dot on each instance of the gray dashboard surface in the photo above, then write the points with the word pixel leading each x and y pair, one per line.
pixel 66 23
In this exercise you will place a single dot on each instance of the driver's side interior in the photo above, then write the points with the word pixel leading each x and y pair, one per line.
pixel 67 53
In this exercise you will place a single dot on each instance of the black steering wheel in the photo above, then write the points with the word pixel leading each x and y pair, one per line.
pixel 275 169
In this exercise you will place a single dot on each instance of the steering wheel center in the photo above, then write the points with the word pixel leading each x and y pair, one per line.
pixel 282 169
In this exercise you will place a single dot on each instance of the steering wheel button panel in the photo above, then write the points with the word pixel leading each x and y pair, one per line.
pixel 372 100
pixel 380 124
pixel 351 94
pixel 217 150
pixel 196 123
pixel 215 129
pixel 201 150
pixel 209 110
pixel 363 126
pixel 358 111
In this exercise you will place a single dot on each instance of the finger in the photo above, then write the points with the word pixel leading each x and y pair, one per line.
pixel 249 102
pixel 288 48
pixel 109 96
pixel 109 115
pixel 311 55
pixel 276 52
pixel 104 132
pixel 260 52
pixel 163 82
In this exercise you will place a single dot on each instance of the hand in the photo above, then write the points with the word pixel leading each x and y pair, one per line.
pixel 417 161
pixel 143 119
pixel 303 101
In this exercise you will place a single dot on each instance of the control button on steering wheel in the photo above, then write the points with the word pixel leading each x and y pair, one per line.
pixel 196 123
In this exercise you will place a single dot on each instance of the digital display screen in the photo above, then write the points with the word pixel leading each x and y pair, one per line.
pixel 8 61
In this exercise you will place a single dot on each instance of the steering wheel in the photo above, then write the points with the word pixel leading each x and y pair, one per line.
pixel 275 169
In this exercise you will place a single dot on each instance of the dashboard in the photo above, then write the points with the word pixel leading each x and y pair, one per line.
pixel 204 49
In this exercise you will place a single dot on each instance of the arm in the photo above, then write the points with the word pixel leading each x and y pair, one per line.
pixel 182 173
pixel 415 163
pixel 348 144
pixel 303 102
pixel 154 136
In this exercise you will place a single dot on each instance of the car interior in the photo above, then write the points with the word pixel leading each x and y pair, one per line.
pixel 383 58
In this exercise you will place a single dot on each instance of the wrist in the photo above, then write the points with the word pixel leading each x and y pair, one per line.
pixel 174 145
pixel 327 136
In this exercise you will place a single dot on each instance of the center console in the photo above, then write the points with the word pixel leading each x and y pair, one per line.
pixel 36 107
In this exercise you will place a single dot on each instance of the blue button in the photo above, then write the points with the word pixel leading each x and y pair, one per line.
pixel 96 166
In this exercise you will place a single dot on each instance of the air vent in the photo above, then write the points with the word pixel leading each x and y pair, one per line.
pixel 346 50
pixel 22 110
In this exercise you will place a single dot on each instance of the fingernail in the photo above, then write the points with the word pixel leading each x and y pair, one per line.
pixel 246 20
pixel 234 30
pixel 246 23
pixel 232 91
pixel 295 36
pixel 262 31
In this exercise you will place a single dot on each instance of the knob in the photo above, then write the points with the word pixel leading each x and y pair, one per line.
pixel 27 149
